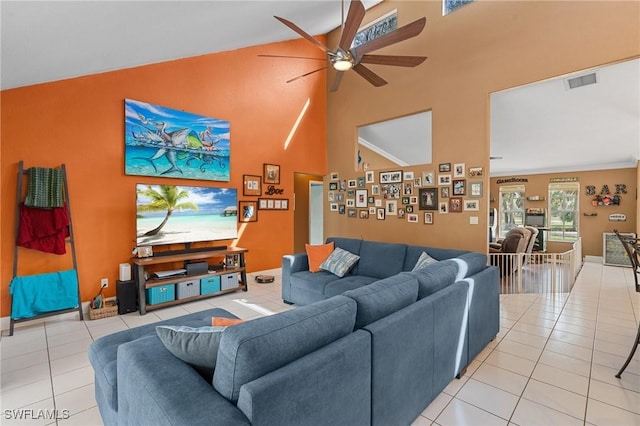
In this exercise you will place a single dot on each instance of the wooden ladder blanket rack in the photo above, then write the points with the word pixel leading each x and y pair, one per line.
pixel 43 295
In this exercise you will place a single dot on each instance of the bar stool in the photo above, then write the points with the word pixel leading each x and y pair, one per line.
pixel 632 247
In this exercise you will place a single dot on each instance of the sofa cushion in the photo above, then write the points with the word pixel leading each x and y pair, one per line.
pixel 470 264
pixel 414 253
pixel 381 260
pixel 383 297
pixel 197 347
pixel 318 254
pixel 255 348
pixel 350 282
pixel 434 277
pixel 339 262
pixel 423 261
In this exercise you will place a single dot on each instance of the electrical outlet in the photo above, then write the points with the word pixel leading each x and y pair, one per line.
pixel 104 283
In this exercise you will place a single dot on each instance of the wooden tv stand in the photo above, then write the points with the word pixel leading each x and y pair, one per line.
pixel 144 284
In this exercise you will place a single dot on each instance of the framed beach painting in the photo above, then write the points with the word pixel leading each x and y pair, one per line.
pixel 165 142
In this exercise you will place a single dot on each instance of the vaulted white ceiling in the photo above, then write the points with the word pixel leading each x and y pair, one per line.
pixel 536 128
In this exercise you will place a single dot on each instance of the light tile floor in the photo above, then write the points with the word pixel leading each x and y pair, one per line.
pixel 553 362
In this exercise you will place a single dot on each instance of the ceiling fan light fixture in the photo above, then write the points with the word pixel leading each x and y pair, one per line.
pixel 342 65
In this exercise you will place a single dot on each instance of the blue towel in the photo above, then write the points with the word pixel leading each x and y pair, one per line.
pixel 38 294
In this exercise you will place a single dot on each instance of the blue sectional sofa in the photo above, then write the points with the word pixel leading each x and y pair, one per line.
pixel 375 355
pixel 379 260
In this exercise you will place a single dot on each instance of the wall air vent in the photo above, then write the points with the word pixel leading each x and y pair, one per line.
pixel 583 80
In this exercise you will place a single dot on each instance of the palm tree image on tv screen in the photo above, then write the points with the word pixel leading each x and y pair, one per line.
pixel 170 214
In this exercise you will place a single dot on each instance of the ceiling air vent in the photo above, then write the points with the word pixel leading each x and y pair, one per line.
pixel 583 80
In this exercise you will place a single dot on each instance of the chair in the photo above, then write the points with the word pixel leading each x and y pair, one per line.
pixel 531 243
pixel 632 248
pixel 516 241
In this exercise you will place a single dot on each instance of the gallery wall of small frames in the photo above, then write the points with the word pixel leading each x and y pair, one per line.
pixel 408 195
pixel 252 186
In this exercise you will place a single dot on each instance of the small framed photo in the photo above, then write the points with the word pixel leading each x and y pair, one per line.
pixel 428 199
pixel 369 176
pixel 343 185
pixel 401 213
pixel 443 207
pixel 445 191
pixel 252 185
pixel 333 207
pixel 407 188
pixel 363 214
pixel 352 213
pixel 428 218
pixel 351 192
pixel 331 196
pixel 361 198
pixel 360 182
pixel 371 199
pixel 475 189
pixel 408 175
pixel 372 211
pixel 428 178
pixel 391 177
pixel 444 179
pixel 409 209
pixel 247 211
pixel 339 197
pixel 375 189
pixel 333 186
pixel 351 202
pixel 341 208
pixel 455 204
pixel 471 205
pixel 380 214
pixel 417 182
pixel 352 183
pixel 459 187
pixel 413 200
pixel 458 170
pixel 271 173
pixel 378 202
pixel 273 204
pixel 444 167
pixel 476 172
pixel 333 176
pixel 412 218
pixel 405 200
pixel 392 207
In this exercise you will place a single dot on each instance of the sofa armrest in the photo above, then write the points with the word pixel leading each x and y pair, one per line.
pixel 292 263
pixel 156 388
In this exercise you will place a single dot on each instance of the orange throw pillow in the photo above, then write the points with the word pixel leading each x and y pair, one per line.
pixel 318 254
pixel 224 322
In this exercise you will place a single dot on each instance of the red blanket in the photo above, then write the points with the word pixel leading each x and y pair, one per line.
pixel 43 229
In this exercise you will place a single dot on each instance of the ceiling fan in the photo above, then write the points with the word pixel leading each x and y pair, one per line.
pixel 343 57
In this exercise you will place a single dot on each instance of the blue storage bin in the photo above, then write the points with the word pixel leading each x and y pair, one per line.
pixel 210 284
pixel 161 294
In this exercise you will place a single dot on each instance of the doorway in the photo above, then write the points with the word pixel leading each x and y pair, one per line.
pixel 308 225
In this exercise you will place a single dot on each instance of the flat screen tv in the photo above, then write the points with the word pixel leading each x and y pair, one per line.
pixel 171 214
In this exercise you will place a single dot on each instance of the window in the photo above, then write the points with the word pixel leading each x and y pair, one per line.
pixel 511 208
pixel 449 6
pixel 377 28
pixel 564 211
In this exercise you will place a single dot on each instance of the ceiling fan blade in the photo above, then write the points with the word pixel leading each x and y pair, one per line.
pixel 369 75
pixel 293 57
pixel 402 33
pixel 399 61
pixel 336 81
pixel 351 25
pixel 306 74
pixel 306 36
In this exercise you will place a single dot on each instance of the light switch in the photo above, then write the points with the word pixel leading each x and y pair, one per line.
pixel 473 220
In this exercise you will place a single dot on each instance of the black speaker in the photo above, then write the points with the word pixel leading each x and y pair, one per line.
pixel 127 295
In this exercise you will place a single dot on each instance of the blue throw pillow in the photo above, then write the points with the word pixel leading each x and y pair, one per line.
pixel 423 261
pixel 339 262
pixel 197 347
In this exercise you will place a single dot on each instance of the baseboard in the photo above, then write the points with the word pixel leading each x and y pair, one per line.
pixel 593 259
pixel 5 322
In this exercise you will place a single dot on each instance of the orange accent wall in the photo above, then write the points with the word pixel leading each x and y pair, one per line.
pixel 80 122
